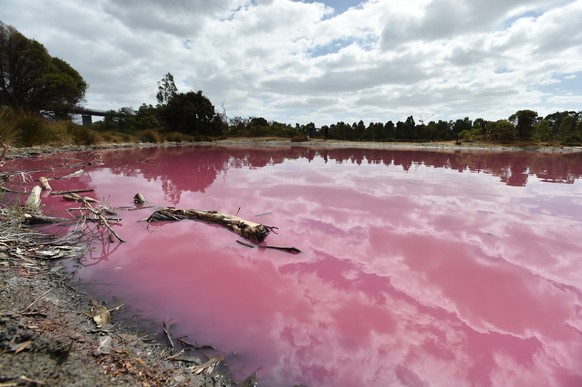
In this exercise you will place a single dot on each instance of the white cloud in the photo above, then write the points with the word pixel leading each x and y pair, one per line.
pixel 295 61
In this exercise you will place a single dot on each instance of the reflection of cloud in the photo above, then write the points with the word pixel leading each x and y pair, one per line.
pixel 417 277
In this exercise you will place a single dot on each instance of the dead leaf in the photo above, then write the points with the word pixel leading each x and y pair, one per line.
pixel 101 315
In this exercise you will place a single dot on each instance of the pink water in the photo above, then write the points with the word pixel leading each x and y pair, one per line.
pixel 418 268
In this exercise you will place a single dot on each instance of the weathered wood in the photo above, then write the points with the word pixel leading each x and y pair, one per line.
pixel 73 197
pixel 44 183
pixel 33 201
pixel 252 231
pixel 139 199
pixel 43 219
pixel 70 191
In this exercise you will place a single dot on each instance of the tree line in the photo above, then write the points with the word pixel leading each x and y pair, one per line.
pixel 33 81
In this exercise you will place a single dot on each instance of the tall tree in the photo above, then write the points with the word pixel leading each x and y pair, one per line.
pixel 31 79
pixel 190 113
pixel 524 121
pixel 166 89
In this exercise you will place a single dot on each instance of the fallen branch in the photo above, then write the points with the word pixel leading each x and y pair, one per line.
pixel 252 231
pixel 70 191
pixel 291 250
pixel 43 219
pixel 99 216
pixel 73 197
pixel 166 331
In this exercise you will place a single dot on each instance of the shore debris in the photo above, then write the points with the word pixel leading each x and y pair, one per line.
pixel 44 183
pixel 139 199
pixel 252 231
pixel 33 201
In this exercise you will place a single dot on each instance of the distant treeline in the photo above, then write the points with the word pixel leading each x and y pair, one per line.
pixel 35 86
pixel 193 114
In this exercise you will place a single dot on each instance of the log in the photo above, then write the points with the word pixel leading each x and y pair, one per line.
pixel 252 231
pixel 43 219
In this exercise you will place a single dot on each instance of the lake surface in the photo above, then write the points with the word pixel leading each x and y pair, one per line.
pixel 418 268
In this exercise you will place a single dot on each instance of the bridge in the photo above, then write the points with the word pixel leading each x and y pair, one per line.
pixel 87 114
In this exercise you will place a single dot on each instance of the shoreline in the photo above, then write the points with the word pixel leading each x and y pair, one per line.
pixel 317 143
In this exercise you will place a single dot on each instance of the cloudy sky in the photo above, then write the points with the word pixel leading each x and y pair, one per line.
pixel 321 61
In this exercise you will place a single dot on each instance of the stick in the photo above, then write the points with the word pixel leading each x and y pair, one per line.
pixel 70 191
pixel 165 328
pixel 291 250
pixel 35 301
pixel 245 244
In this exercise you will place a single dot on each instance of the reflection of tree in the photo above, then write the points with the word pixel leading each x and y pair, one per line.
pixel 194 169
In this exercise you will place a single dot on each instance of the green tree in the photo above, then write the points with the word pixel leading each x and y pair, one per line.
pixel 502 131
pixel 524 121
pixel 190 113
pixel 166 89
pixel 32 80
pixel 542 131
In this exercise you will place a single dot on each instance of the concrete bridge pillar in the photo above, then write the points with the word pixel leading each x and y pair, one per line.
pixel 86 119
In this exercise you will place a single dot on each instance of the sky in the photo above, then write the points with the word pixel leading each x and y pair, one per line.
pixel 320 61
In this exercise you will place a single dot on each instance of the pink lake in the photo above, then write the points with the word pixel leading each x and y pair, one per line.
pixel 418 268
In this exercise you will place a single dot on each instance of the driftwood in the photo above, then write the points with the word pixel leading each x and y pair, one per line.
pixel 139 199
pixel 70 191
pixel 43 219
pixel 290 250
pixel 44 183
pixel 73 197
pixel 33 201
pixel 252 231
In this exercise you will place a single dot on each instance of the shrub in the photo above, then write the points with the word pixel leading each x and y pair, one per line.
pixel 175 137
pixel 33 130
pixel 9 130
pixel 82 135
pixel 59 133
pixel 150 135
pixel 299 138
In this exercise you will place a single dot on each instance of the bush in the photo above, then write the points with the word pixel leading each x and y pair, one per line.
pixel 299 138
pixel 175 137
pixel 82 135
pixel 33 130
pixel 150 135
pixel 9 130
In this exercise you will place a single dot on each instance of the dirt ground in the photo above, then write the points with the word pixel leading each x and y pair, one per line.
pixel 53 334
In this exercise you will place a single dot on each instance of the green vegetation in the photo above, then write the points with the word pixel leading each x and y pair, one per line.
pixel 32 80
pixel 38 93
